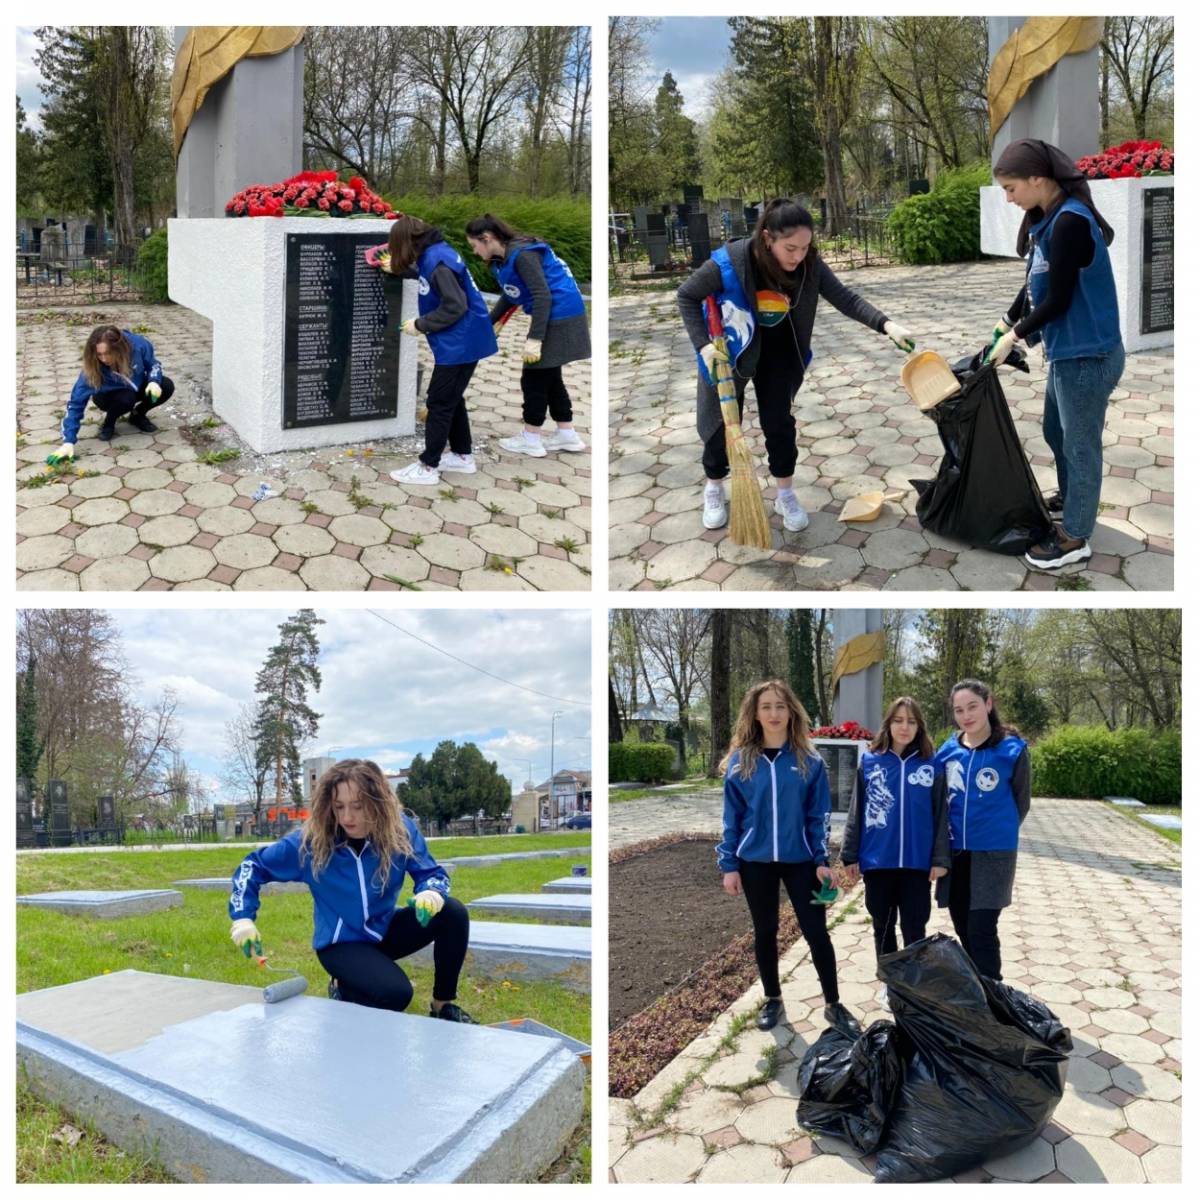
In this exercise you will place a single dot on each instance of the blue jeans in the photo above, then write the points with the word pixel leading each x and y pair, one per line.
pixel 1077 392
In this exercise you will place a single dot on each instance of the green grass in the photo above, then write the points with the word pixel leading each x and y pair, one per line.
pixel 1166 810
pixel 621 795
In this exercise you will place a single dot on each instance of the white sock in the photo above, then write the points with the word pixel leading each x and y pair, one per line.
pixel 715 490
pixel 532 437
pixel 787 494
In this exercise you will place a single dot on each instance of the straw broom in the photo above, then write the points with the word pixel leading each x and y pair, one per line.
pixel 747 511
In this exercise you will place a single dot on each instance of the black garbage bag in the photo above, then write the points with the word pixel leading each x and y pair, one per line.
pixel 984 492
pixel 985 1065
pixel 848 1083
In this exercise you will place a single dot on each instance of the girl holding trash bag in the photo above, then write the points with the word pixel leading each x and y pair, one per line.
pixel 897 830
pixel 776 830
pixel 988 783
pixel 534 278
pixel 453 317
pixel 122 377
pixel 767 287
pixel 1069 304
pixel 353 853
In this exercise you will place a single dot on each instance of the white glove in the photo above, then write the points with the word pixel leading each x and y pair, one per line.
pixel 1002 348
pixel 710 355
pixel 427 905
pixel 902 337
pixel 65 451
pixel 244 930
pixel 533 350
pixel 153 390
pixel 410 327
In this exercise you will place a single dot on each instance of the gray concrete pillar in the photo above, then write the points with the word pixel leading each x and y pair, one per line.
pixel 1061 107
pixel 859 697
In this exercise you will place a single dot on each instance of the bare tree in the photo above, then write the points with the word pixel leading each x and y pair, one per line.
pixel 245 769
pixel 672 639
pixel 1141 51
pixel 579 84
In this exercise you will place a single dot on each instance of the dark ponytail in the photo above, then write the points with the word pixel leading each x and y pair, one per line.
pixel 500 229
pixel 779 217
pixel 999 730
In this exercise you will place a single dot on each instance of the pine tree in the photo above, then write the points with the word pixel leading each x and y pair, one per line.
pixel 29 744
pixel 284 721
pixel 801 673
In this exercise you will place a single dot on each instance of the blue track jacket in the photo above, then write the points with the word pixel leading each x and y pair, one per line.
pixel 779 814
pixel 348 904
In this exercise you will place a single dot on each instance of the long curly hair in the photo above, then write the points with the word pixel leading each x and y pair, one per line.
pixel 112 337
pixel 747 741
pixel 921 743
pixel 384 814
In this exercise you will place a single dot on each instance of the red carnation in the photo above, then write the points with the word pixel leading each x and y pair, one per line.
pixel 323 204
pixel 302 202
pixel 345 205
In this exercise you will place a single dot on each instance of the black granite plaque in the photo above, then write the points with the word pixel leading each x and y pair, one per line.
pixel 25 836
pixel 341 341
pixel 1158 260
pixel 841 766
pixel 60 813
pixel 108 812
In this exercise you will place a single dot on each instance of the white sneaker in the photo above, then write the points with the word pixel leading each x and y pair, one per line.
pixel 716 512
pixel 565 439
pixel 464 464
pixel 417 473
pixel 792 512
pixel 523 445
pixel 881 998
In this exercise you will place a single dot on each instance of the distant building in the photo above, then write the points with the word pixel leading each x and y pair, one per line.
pixel 571 794
pixel 313 769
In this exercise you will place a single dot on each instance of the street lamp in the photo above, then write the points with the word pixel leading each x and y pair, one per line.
pixel 553 805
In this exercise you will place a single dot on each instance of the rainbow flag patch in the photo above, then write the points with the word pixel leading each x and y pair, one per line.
pixel 772 306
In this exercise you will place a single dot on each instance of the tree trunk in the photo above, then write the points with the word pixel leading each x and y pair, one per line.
pixel 615 732
pixel 718 689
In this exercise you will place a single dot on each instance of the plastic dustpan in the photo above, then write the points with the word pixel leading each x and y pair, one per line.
pixel 927 378
pixel 868 506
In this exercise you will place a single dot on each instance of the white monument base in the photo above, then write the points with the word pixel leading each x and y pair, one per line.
pixel 1120 202
pixel 233 271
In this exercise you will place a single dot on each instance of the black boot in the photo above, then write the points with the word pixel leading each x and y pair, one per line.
pixel 769 1014
pixel 106 431
pixel 451 1012
pixel 139 420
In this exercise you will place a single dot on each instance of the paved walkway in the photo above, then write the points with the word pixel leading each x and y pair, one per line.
pixel 1095 930
pixel 147 515
pixel 858 432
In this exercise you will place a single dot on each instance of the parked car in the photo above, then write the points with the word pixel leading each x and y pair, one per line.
pixel 578 821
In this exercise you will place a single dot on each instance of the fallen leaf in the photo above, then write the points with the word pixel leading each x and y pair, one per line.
pixel 67 1135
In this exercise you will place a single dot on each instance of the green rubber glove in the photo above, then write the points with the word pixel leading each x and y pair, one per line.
pixel 826 894
pixel 426 905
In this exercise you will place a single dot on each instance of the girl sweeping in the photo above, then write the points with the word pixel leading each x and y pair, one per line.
pixel 534 278
pixel 453 316
pixel 353 853
pixel 1069 304
pixel 897 832
pixel 767 287
pixel 988 783
pixel 776 831
pixel 122 377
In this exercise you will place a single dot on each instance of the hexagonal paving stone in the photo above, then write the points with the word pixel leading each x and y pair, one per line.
pixel 769 1122
pixel 156 504
pixel 106 541
pixel 705 1110
pixel 1024 1165
pixel 1163 1164
pixel 395 560
pixel 147 479
pixel 829 1168
pixel 34 522
pixel 106 511
pixel 504 541
pixel 95 486
pixel 224 522
pixel 306 541
pixel 1089 1159
pixel 671 1158
pixel 333 573
pixel 268 579
pixel 360 530
pixel 1148 1081
pixel 182 563
pixel 1085 1112
pixel 456 553
pixel 1158 1120
pixel 245 551
pixel 744 1164
pixel 168 531
pixel 278 510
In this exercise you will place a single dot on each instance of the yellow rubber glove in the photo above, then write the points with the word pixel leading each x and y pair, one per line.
pixel 153 390
pixel 427 905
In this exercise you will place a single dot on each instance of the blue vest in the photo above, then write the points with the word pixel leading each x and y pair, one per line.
pixel 897 812
pixel 565 298
pixel 471 337
pixel 1091 326
pixel 983 809
pixel 739 315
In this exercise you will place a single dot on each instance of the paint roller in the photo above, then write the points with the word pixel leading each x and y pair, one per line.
pixel 285 989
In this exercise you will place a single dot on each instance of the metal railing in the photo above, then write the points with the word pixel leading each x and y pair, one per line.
pixel 43 278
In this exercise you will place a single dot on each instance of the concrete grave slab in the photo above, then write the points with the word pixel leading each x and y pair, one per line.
pixel 508 949
pixel 1164 821
pixel 104 906
pixel 494 860
pixel 556 909
pixel 222 883
pixel 195 1071
pixel 569 885
pixel 1124 801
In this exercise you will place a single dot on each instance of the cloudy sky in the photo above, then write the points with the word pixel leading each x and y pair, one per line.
pixel 28 79
pixel 694 50
pixel 384 695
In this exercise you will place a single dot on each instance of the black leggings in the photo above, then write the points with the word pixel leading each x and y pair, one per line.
pixel 368 974
pixel 777 379
pixel 447 419
pixel 976 927
pixel 892 891
pixel 542 388
pixel 760 883
pixel 124 400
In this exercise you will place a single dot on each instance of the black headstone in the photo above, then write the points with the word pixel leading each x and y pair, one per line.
pixel 656 223
pixel 700 238
pixel 59 812
pixel 693 193
pixel 750 215
pixel 25 836
pixel 841 766
pixel 918 187
pixel 108 812
pixel 341 341
pixel 1158 260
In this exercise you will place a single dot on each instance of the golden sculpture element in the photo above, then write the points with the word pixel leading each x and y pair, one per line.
pixel 1030 53
pixel 209 53
pixel 858 654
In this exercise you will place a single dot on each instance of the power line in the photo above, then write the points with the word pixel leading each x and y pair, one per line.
pixel 463 662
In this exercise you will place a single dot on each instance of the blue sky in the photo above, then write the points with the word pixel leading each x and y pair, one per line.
pixel 383 695
pixel 694 50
